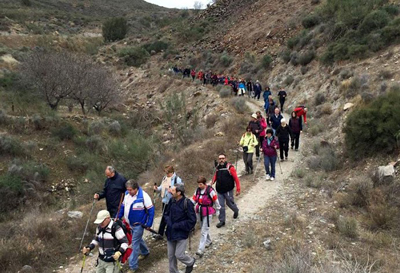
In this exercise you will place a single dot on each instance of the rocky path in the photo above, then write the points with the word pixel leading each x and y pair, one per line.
pixel 254 199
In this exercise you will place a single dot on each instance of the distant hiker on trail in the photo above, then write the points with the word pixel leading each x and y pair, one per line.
pixel 256 130
pixel 296 126
pixel 193 74
pixel 269 147
pixel 186 73
pixel 266 94
pixel 242 88
pixel 261 136
pixel 269 107
pixel 301 111
pixel 275 119
pixel 282 97
pixel 249 86
pixel 257 90
pixel 137 209
pixel 226 81
pixel 226 178
pixel 248 141
pixel 181 219
pixel 171 179
pixel 114 189
pixel 283 133
pixel 111 240
pixel 206 199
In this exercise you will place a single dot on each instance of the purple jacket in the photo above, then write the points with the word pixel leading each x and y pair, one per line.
pixel 269 149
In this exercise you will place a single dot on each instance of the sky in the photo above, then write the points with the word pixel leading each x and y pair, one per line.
pixel 178 3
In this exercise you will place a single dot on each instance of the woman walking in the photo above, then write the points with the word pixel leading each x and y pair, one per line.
pixel 296 126
pixel 261 136
pixel 269 147
pixel 283 133
pixel 248 142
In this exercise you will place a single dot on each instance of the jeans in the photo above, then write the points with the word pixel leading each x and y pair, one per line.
pixel 295 140
pixel 267 161
pixel 248 161
pixel 284 147
pixel 138 245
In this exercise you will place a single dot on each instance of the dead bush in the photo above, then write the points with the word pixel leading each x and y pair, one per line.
pixel 381 216
pixel 359 191
pixel 164 85
pixel 211 120
pixel 347 226
pixel 319 99
pixel 385 75
pixel 240 105
pixel 326 109
pixel 225 92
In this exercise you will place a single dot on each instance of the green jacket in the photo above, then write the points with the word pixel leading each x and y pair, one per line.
pixel 249 140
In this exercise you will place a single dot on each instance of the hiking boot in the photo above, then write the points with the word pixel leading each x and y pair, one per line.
pixel 158 237
pixel 282 159
pixel 291 147
pixel 296 149
pixel 286 159
pixel 200 253
pixel 208 245
pixel 236 214
pixel 272 178
pixel 189 268
pixel 267 177
pixel 142 257
pixel 220 224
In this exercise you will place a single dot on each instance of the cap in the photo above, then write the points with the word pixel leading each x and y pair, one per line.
pixel 283 120
pixel 254 115
pixel 103 214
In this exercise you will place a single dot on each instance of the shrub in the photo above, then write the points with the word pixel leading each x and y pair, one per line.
pixel 10 146
pixel 94 143
pixel 319 99
pixel 225 92
pixel 311 21
pixel 11 182
pixel 77 164
pixel 3 117
pixel 382 216
pixel 299 173
pixel 65 132
pixel 226 60
pixel 240 105
pixel 359 191
pixel 347 226
pixel 114 128
pixel 289 80
pixel 134 56
pixel 266 61
pixel 306 57
pixel 285 55
pixel 391 9
pixel 115 29
pixel 96 127
pixel 156 46
pixel 211 120
pixel 371 128
pixel 326 109
pixel 315 129
pixel 26 3
pixel 294 58
pixel 385 75
pixel 375 20
pixel 345 74
pixel 303 70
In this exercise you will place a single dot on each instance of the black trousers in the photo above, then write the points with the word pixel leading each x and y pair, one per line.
pixel 282 102
pixel 260 141
pixel 283 147
pixel 295 140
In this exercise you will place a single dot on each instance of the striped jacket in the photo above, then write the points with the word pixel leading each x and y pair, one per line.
pixel 105 240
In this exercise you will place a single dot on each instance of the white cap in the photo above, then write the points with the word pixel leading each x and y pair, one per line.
pixel 101 216
pixel 254 115
pixel 283 120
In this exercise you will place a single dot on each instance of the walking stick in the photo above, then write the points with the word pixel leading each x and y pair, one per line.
pixel 255 171
pixel 84 233
pixel 119 206
pixel 83 262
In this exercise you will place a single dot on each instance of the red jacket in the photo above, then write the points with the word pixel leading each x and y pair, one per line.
pixel 264 126
pixel 300 112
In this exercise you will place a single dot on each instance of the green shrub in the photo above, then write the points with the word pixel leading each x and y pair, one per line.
pixel 11 182
pixel 319 99
pixel 226 60
pixel 134 56
pixel 285 55
pixel 266 61
pixel 225 92
pixel 8 80
pixel 77 164
pixel 156 46
pixel 373 21
pixel 114 128
pixel 372 129
pixel 94 143
pixel 115 29
pixel 391 9
pixel 299 173
pixel 10 146
pixel 239 104
pixel 26 3
pixel 65 132
pixel 96 127
pixel 311 21
pixel 306 57
pixel 3 117
pixel 347 226
pixel 289 80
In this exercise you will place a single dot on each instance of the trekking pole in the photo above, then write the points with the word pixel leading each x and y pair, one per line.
pixel 279 161
pixel 119 206
pixel 237 156
pixel 84 233
pixel 255 171
pixel 83 262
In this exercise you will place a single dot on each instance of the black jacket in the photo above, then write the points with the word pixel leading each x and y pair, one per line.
pixel 255 125
pixel 283 133
pixel 179 221
pixel 114 187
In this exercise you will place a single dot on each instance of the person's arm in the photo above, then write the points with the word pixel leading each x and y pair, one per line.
pixel 121 237
pixel 301 124
pixel 150 209
pixel 255 141
pixel 235 178
pixel 194 198
pixel 241 141
pixel 305 117
pixel 214 198
pixel 214 178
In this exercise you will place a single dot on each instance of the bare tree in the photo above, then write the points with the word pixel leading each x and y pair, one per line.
pixel 197 5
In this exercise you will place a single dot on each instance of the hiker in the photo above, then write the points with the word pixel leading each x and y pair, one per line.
pixel 114 189
pixel 193 74
pixel 261 136
pixel 249 86
pixel 248 141
pixel 269 147
pixel 206 199
pixel 296 126
pixel 226 179
pixel 283 133
pixel 137 209
pixel 301 111
pixel 112 243
pixel 186 73
pixel 181 219
pixel 257 90
pixel 169 180
pixel 242 88
pixel 269 107
pixel 275 119
pixel 256 130
pixel 282 97
pixel 266 94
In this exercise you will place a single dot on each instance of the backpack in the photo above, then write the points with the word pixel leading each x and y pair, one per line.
pixel 127 230
pixel 208 192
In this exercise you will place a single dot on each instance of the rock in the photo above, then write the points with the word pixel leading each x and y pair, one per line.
pixel 267 244
pixel 26 269
pixel 75 214
pixel 219 134
pixel 347 106
pixel 386 173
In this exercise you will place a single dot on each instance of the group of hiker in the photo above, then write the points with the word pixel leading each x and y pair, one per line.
pixel 130 211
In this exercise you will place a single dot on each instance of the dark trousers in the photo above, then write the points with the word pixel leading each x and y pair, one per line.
pixel 295 140
pixel 282 102
pixel 248 161
pixel 260 141
pixel 284 147
pixel 257 95
pixel 163 223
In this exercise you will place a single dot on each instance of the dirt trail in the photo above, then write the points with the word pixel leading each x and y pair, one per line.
pixel 256 198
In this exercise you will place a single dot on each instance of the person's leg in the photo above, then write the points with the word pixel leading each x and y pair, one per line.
pixel 137 233
pixel 230 202
pixel 221 200
pixel 297 141
pixel 180 253
pixel 205 229
pixel 282 101
pixel 173 263
pixel 112 268
pixel 292 138
pixel 245 161
pixel 273 162
pixel 209 241
pixel 258 148
pixel 286 147
pixel 250 161
pixel 100 268
pixel 281 149
pixel 266 164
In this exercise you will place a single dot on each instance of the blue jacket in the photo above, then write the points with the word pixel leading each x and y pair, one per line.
pixel 140 214
pixel 167 196
pixel 113 189
pixel 266 94
pixel 179 222
pixel 276 121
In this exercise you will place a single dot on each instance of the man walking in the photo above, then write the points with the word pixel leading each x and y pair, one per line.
pixel 138 211
pixel 114 188
pixel 181 219
pixel 282 97
pixel 170 180
pixel 111 240
pixel 226 178
pixel 257 90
